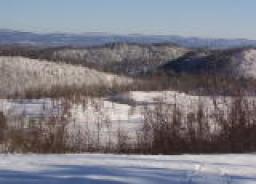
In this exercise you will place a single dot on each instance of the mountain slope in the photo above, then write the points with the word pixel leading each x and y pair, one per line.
pixel 127 58
pixel 18 74
pixel 240 63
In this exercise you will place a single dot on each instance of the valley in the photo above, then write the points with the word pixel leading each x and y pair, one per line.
pixel 128 98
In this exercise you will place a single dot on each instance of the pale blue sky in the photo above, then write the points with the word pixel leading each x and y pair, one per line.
pixel 204 18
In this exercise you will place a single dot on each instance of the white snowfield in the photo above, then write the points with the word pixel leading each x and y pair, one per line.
pixel 114 169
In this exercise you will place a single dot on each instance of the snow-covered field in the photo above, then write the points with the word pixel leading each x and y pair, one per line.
pixel 124 111
pixel 122 107
pixel 97 168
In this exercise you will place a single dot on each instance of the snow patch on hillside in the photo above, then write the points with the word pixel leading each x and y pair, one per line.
pixel 244 63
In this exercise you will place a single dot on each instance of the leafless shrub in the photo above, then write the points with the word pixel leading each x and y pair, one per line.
pixel 169 130
pixel 122 145
pixel 162 129
pixel 238 127
pixel 3 126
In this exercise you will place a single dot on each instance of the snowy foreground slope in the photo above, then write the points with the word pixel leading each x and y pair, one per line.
pixel 78 169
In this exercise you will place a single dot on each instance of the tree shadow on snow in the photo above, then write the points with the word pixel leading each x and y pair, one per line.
pixel 79 174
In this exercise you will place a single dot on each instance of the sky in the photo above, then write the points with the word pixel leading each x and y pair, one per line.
pixel 203 18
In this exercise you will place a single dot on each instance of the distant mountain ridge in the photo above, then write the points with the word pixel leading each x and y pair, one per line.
pixel 10 37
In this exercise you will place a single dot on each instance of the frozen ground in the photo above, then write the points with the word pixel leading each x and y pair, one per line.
pixel 86 168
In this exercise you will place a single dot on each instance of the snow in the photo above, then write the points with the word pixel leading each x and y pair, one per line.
pixel 18 74
pixel 121 52
pixel 110 116
pixel 39 108
pixel 244 63
pixel 99 168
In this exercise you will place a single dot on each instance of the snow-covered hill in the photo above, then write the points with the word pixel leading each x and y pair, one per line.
pixel 128 58
pixel 18 74
pixel 96 169
pixel 123 52
pixel 244 63
pixel 235 63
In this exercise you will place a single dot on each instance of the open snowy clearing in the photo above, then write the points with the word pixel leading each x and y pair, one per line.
pixel 124 111
pixel 97 168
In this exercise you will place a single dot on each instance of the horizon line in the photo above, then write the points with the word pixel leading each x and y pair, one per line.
pixel 123 34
